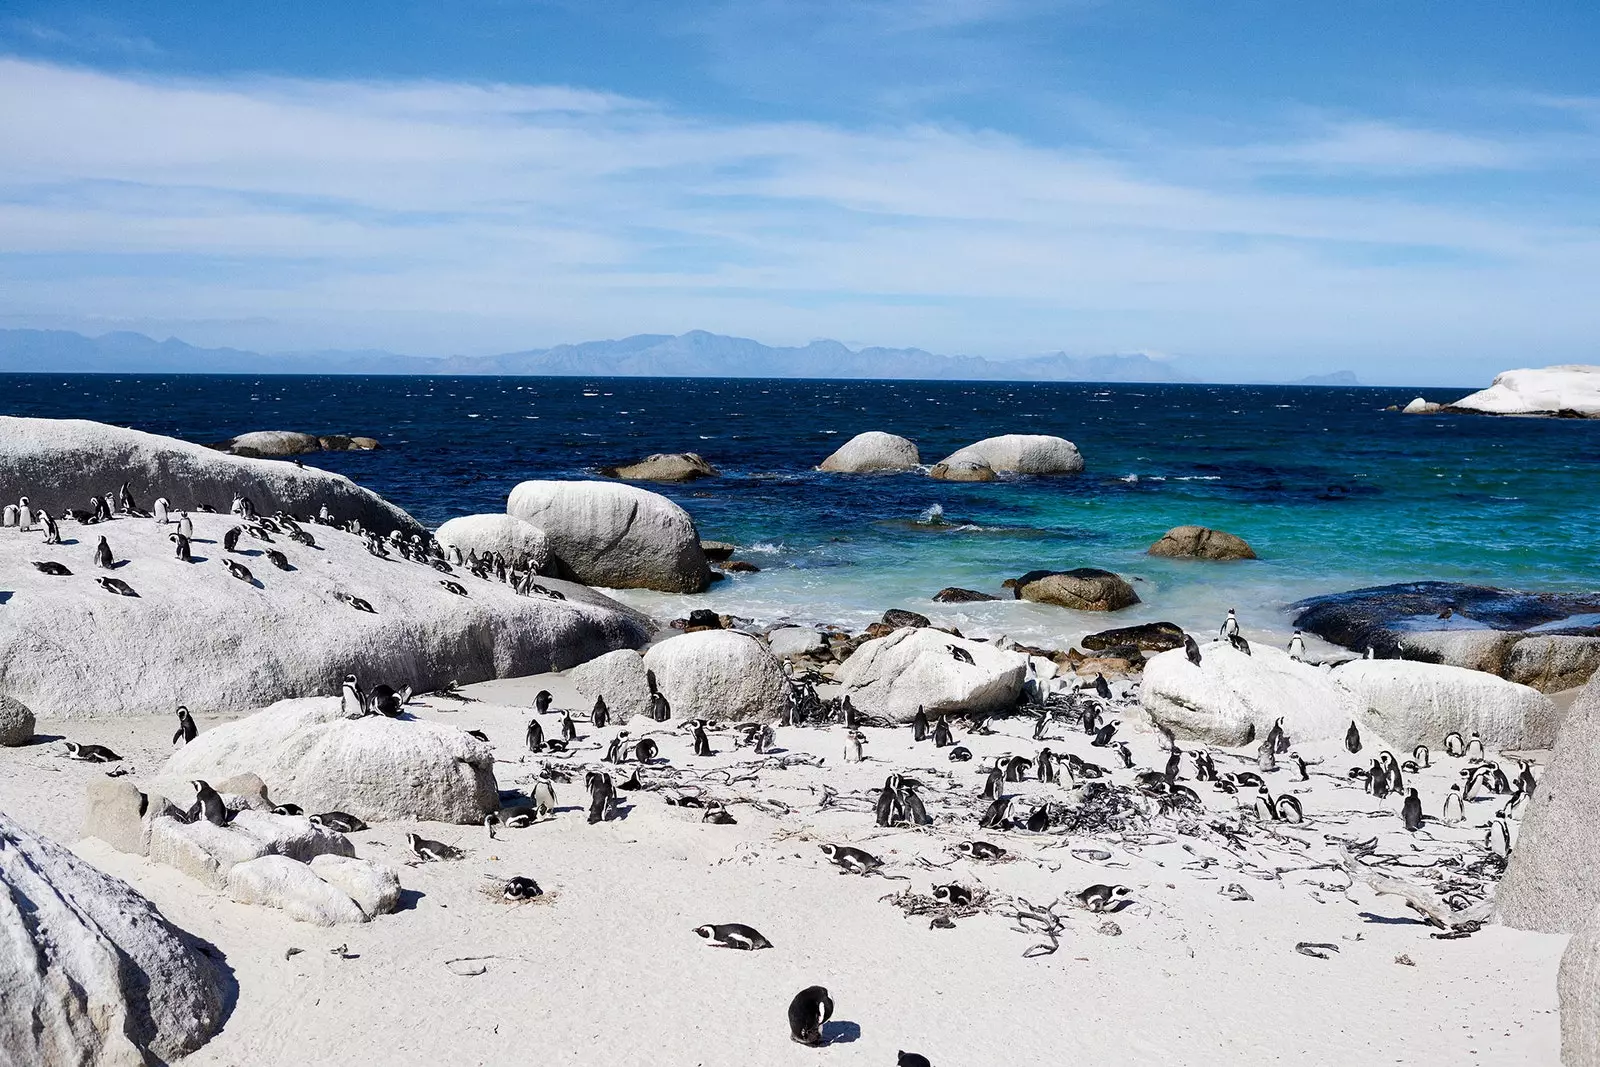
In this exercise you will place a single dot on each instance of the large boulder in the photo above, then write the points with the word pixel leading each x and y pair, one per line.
pixel 1146 637
pixel 618 536
pixel 91 974
pixel 59 463
pixel 1578 991
pixel 1553 881
pixel 373 886
pixel 1473 649
pixel 1020 453
pixel 1412 704
pixel 119 813
pixel 893 676
pixel 664 467
pixel 1552 663
pixel 16 721
pixel 1199 542
pixel 873 451
pixel 272 443
pixel 954 594
pixel 374 767
pixel 202 851
pixel 295 888
pixel 788 641
pixel 617 676
pixel 521 543
pixel 1231 692
pixel 719 674
pixel 1083 589
pixel 197 636
pixel 962 470
pixel 1570 389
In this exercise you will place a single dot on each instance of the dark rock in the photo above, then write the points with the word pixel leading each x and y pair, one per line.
pixel 900 619
pixel 717 551
pixel 1083 588
pixel 740 566
pixel 957 595
pixel 1146 637
pixel 703 619
pixel 1380 616
pixel 1198 542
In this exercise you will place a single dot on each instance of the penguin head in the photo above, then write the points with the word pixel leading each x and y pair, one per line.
pixel 705 931
pixel 200 788
pixel 1120 891
pixel 413 841
pixel 830 850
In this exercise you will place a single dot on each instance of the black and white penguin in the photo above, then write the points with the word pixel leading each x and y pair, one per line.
pixel 1287 809
pixel 1174 764
pixel 853 740
pixel 230 540
pixel 941 733
pixel 1239 644
pixel 1453 745
pixel 1421 756
pixel 115 585
pixel 1454 811
pixel 1352 738
pixel 515 817
pixel 91 753
pixel 1045 766
pixel 185 525
pixel 520 888
pixel 1300 765
pixel 355 602
pixel 535 734
pixel 733 935
pixel 181 548
pixel 278 560
pixel 352 701
pixel 186 728
pixel 601 715
pixel 102 555
pixel 660 708
pixel 1121 748
pixel 1191 649
pixel 1378 780
pixel 338 821
pixel 1205 768
pixel 1267 754
pixel 385 700
pixel 1102 688
pixel 1474 750
pixel 980 850
pixel 159 510
pixel 959 754
pixel 959 654
pixel 239 571
pixel 1278 738
pixel 542 701
pixel 1297 647
pixel 702 742
pixel 602 795
pixel 919 726
pixel 1039 821
pixel 997 815
pixel 1411 811
pixel 52 532
pixel 1263 806
pixel 208 805
pixel 431 851
pixel 809 1012
pixel 1526 783
pixel 959 895
pixel 288 809
pixel 1103 736
pixel 569 729
pixel 51 567
pixel 1498 840
pixel 645 749
pixel 1390 767
pixel 1098 898
pixel 1230 625
pixel 1091 718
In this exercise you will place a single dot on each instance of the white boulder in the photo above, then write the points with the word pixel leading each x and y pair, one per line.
pixel 1413 704
pixel 872 451
pixel 375 768
pixel 1578 991
pixel 373 886
pixel 796 641
pixel 719 674
pixel 1230 692
pixel 16 721
pixel 1019 453
pixel 91 975
pixel 617 676
pixel 1538 391
pixel 273 443
pixel 894 675
pixel 617 536
pixel 1419 406
pixel 521 543
pixel 293 887
pixel 1553 662
pixel 197 636
pixel 202 851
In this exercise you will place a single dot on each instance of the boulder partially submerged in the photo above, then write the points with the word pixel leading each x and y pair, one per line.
pixel 93 974
pixel 197 636
pixel 1199 542
pixel 910 668
pixel 956 595
pixel 1412 704
pixel 1145 636
pixel 873 451
pixel 373 767
pixel 1082 589
pixel 1020 453
pixel 273 443
pixel 719 674
pixel 664 467
pixel 1233 696
pixel 617 536
pixel 59 463
pixel 522 544
pixel 1568 389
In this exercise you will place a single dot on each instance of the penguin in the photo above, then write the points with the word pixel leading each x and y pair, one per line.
pixel 186 728
pixel 1526 783
pixel 355 602
pixel 910 1059
pixel 338 821
pixel 733 935
pixel 1103 736
pixel 1191 649
pixel 385 701
pixel 1091 719
pixel 941 734
pixel 431 851
pixel 1239 643
pixel 159 511
pixel 1386 761
pixel 352 701
pixel 1287 809
pixel 911 803
pixel 230 540
pixel 520 888
pixel 1421 756
pixel 9 516
pixel 544 798
pixel 601 715
pixel 809 1012
pixel 919 726
pixel 208 804
pixel 1498 840
pixel 516 817
pixel 887 810
pixel 1411 811
pixel 1297 647
pixel 660 709
pixel 1205 768
pixel 102 555
pixel 1098 898
pixel 959 654
pixel 980 850
pixel 614 750
pixel 1474 750
pixel 1371 653
pixel 541 702
pixel 1300 765
pixel 278 560
pixel 958 895
pixel 535 734
pixel 52 532
pixel 181 548
pixel 1454 813
pixel 994 786
pixel 1378 780
pixel 1039 821
pixel 645 750
pixel 1352 738
pixel 91 753
pixel 185 525
pixel 1230 625
pixel 569 729
pixel 51 567
pixel 1266 755
pixel 1453 745
pixel 1102 688
pixel 702 742
pixel 1045 766
pixel 851 860
pixel 24 515
pixel 960 754
pixel 115 585
pixel 1174 764
pixel 1124 751
pixel 1016 768
pixel 239 571
pixel 602 794
pixel 852 746
pixel 1265 810
pixel 288 809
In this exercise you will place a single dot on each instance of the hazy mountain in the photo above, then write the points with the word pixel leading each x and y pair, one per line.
pixel 1338 377
pixel 694 354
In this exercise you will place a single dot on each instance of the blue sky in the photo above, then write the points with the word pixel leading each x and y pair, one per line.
pixel 1255 189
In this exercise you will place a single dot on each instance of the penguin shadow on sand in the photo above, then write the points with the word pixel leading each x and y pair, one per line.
pixel 840 1032
pixel 37 739
pixel 1374 919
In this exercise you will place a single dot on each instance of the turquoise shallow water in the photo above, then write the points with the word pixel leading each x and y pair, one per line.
pixel 1332 491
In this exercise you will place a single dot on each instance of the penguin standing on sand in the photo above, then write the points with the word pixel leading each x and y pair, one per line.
pixel 186 728
pixel 602 795
pixel 185 525
pixel 1411 811
pixel 52 532
pixel 1297 647
pixel 102 555
pixel 601 715
pixel 159 512
pixel 535 736
pixel 809 1012
pixel 1352 738
pixel 1454 812
pixel 941 734
pixel 1453 745
pixel 1498 840
pixel 919 725
pixel 852 746
pixel 702 742
pixel 569 729
pixel 181 548
pixel 1474 750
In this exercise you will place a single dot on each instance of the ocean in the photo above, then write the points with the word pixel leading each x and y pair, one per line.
pixel 1332 491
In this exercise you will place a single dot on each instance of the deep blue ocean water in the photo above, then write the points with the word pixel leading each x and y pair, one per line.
pixel 1333 491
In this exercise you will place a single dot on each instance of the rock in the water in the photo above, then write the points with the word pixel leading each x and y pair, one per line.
pixel 1230 692
pixel 1553 881
pixel 272 443
pixel 1084 589
pixel 194 635
pixel 92 974
pixel 375 768
pixel 703 619
pixel 342 443
pixel 1550 664
pixel 1571 389
pixel 1020 453
pixel 899 619
pixel 718 674
pixel 59 463
pixel 1419 406
pixel 373 886
pixel 293 887
pixel 1198 542
pixel 894 675
pixel 1412 704
pixel 521 543
pixel 964 470
pixel 664 467
pixel 1578 990
pixel 873 451
pixel 1146 637
pixel 788 641
pixel 956 595
pixel 618 536
pixel 619 678
pixel 717 551
pixel 16 721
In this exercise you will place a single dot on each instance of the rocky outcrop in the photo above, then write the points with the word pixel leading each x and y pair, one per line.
pixel 900 618
pixel 962 470
pixel 16 721
pixel 619 677
pixel 1412 704
pixel 375 768
pixel 1419 406
pixel 374 887
pixel 1550 664
pixel 295 889
pixel 893 676
pixel 197 636
pixel 59 463
pixel 521 543
pixel 1019 453
pixel 618 536
pixel 93 975
pixel 1578 991
pixel 1475 650
pixel 1198 542
pixel 664 467
pixel 788 641
pixel 1232 696
pixel 719 674
pixel 873 451
pixel 1083 589
pixel 956 595
pixel 1146 637
pixel 718 551
pixel 117 812
pixel 1569 389
pixel 277 443
pixel 1553 881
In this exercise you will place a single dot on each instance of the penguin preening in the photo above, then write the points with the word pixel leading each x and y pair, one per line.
pixel 535 735
pixel 809 1012
pixel 181 548
pixel 1103 736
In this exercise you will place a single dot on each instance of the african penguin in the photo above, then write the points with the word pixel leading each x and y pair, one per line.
pixel 733 935
pixel 809 1012
pixel 431 851
pixel 91 753
pixel 102 555
pixel 1297 647
pixel 1099 897
pixel 1411 811
pixel 851 860
pixel 338 821
pixel 208 805
pixel 186 729
pixel 520 888
pixel 1352 738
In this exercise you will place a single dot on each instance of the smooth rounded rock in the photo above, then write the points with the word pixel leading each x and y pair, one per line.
pixel 1198 542
pixel 1020 453
pixel 892 676
pixel 521 543
pixel 664 467
pixel 619 678
pixel 1082 589
pixel 719 674
pixel 1412 704
pixel 294 888
pixel 1230 694
pixel 273 443
pixel 16 721
pixel 870 452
